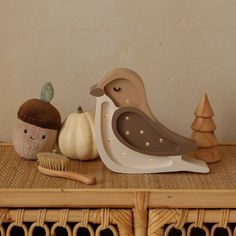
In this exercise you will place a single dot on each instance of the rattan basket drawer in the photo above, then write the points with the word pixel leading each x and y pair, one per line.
pixel 165 222
pixel 118 221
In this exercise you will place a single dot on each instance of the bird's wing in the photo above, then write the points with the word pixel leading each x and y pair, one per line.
pixel 139 132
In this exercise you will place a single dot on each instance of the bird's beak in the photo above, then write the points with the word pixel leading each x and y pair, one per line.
pixel 96 90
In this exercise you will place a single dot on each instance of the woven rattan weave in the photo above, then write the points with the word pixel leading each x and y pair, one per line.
pixel 127 204
pixel 16 172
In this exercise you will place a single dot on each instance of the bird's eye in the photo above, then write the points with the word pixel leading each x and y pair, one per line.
pixel 44 136
pixel 116 89
pixel 25 131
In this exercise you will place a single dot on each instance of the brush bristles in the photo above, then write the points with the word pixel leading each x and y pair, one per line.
pixel 53 161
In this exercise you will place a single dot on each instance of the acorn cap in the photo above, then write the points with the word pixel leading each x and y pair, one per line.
pixel 40 112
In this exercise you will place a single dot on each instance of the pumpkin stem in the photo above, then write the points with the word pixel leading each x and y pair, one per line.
pixel 80 110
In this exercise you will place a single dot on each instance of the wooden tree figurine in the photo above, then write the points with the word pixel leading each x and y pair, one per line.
pixel 203 132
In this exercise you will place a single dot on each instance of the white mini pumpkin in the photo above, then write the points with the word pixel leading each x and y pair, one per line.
pixel 76 138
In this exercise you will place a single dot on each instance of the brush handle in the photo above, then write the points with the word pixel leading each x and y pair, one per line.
pixel 86 179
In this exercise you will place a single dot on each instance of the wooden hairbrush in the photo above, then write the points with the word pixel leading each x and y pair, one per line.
pixel 57 165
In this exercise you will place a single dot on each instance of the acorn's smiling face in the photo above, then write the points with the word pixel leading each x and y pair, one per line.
pixel 29 139
pixel 34 134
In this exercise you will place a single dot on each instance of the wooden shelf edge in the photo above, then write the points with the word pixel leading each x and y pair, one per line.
pixel 118 199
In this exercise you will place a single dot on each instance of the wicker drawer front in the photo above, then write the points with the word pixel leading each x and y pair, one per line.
pixel 119 221
pixel 163 222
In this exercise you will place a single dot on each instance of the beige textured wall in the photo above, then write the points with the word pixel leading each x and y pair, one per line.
pixel 182 49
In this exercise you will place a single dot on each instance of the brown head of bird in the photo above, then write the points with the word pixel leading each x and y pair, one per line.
pixel 125 88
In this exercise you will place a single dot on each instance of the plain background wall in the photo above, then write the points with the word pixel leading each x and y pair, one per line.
pixel 182 49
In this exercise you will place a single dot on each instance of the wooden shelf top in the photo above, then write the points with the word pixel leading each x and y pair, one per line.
pixel 22 185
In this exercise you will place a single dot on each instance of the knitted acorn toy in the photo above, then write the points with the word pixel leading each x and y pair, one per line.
pixel 37 125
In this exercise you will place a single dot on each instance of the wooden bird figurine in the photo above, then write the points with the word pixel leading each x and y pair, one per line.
pixel 129 137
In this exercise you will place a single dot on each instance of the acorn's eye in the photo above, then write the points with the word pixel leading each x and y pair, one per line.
pixel 44 136
pixel 25 131
pixel 116 89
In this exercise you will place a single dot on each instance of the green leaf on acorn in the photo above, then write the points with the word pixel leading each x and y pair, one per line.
pixel 47 92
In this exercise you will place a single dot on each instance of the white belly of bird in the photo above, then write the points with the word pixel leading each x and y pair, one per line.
pixel 119 158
